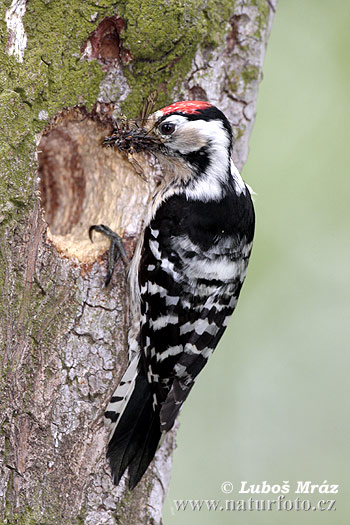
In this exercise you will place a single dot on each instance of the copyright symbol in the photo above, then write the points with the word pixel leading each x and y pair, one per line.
pixel 226 487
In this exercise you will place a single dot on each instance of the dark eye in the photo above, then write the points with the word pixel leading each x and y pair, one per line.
pixel 167 128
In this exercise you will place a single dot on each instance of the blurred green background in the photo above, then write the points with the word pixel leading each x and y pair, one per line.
pixel 273 402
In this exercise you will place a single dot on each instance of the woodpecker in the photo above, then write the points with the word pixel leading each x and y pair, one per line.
pixel 185 277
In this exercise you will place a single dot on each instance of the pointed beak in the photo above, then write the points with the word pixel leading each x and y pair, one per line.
pixel 133 140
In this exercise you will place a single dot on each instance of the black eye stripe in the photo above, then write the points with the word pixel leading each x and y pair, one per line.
pixel 167 128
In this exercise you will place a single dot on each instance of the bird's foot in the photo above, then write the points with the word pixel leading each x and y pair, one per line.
pixel 116 248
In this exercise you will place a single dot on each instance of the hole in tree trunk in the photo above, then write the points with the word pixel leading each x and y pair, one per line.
pixel 82 183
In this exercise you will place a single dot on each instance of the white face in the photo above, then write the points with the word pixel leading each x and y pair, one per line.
pixel 182 136
pixel 186 136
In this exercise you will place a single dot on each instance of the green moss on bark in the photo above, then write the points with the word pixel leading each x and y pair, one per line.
pixel 264 11
pixel 15 130
pixel 250 74
pixel 51 77
pixel 163 38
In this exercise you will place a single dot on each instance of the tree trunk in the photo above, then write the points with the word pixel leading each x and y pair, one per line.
pixel 67 69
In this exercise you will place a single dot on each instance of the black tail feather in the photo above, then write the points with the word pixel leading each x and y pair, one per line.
pixel 136 436
pixel 146 452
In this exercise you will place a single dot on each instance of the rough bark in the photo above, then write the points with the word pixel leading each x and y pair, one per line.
pixel 63 335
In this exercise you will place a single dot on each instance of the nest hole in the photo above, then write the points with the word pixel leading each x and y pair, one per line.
pixel 82 183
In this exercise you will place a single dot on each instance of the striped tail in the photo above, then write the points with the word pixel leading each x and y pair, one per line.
pixel 135 428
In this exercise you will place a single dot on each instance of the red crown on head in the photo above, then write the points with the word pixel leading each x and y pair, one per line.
pixel 186 106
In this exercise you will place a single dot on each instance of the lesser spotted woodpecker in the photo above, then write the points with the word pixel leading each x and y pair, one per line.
pixel 185 276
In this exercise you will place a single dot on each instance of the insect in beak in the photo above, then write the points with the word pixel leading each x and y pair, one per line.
pixel 132 136
pixel 132 140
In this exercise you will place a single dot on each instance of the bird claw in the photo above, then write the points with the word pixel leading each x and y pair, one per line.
pixel 116 248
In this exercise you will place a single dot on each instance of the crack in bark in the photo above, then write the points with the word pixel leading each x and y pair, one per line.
pixel 271 5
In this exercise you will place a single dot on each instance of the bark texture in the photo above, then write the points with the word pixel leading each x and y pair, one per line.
pixel 62 334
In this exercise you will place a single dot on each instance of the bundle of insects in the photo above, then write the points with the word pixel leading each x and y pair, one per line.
pixel 130 140
pixel 131 136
